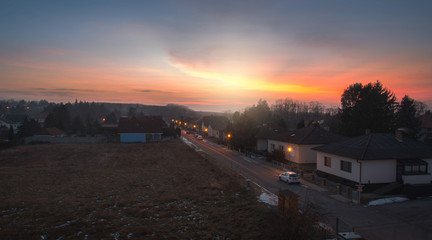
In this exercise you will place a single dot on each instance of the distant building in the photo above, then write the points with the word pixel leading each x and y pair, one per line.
pixel 377 158
pixel 265 133
pixel 297 145
pixel 52 132
pixel 40 118
pixel 8 123
pixel 216 126
pixel 141 129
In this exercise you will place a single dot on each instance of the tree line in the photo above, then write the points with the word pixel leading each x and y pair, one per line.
pixel 369 107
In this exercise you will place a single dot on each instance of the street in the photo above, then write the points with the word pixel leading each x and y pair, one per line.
pixel 408 220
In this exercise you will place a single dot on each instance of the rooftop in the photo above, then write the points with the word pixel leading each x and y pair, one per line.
pixel 377 146
pixel 308 136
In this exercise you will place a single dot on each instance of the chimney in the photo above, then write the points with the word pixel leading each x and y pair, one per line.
pixel 399 135
pixel 367 131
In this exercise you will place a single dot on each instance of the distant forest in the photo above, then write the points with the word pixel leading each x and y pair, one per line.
pixel 371 106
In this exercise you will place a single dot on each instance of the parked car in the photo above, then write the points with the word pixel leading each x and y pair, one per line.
pixel 199 137
pixel 289 177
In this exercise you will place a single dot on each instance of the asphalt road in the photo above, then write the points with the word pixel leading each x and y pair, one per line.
pixel 407 220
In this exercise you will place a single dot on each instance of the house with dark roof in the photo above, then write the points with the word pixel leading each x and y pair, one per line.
pixel 141 129
pixel 297 145
pixel 377 158
pixel 266 132
pixel 40 118
pixel 8 123
pixel 215 126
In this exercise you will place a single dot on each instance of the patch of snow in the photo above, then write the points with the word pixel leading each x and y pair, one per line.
pixel 63 225
pixel 43 237
pixel 324 227
pixel 190 144
pixel 386 201
pixel 130 235
pixel 268 198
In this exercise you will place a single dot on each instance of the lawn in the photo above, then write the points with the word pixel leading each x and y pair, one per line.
pixel 126 191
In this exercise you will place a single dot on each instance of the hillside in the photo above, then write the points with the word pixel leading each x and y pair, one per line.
pixel 125 191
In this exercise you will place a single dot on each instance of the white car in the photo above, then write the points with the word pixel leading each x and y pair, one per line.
pixel 199 137
pixel 289 177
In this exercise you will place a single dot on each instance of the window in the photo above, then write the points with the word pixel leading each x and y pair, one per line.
pixel 327 161
pixel 272 147
pixel 281 148
pixel 345 166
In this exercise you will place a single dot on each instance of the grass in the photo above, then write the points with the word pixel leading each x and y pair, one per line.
pixel 125 191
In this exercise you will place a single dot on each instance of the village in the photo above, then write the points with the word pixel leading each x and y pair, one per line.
pixel 364 170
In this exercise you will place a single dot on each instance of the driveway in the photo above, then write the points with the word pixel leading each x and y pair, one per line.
pixel 408 220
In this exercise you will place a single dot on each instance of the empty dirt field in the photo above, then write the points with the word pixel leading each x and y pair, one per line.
pixel 126 191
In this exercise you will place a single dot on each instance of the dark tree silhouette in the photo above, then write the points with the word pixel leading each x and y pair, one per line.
pixel 366 107
pixel 28 128
pixel 11 135
pixel 406 115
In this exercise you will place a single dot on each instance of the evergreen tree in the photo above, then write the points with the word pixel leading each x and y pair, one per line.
pixel 367 107
pixel 406 115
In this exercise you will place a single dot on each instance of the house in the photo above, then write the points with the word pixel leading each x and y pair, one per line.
pixel 52 132
pixel 264 133
pixel 141 129
pixel 8 123
pixel 376 158
pixel 40 118
pixel 297 145
pixel 215 126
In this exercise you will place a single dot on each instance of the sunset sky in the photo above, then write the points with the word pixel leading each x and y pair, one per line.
pixel 213 55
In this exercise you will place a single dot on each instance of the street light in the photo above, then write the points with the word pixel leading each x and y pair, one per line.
pixel 289 153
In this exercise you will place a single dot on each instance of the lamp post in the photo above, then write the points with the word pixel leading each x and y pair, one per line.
pixel 289 153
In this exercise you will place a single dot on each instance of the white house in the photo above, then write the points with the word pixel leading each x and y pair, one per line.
pixel 377 158
pixel 215 126
pixel 297 145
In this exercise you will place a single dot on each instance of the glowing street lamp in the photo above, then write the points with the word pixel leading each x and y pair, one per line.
pixel 229 135
pixel 103 119
pixel 194 126
pixel 185 124
pixel 172 120
pixel 206 130
pixel 289 153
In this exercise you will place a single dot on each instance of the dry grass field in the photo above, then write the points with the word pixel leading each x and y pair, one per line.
pixel 126 191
